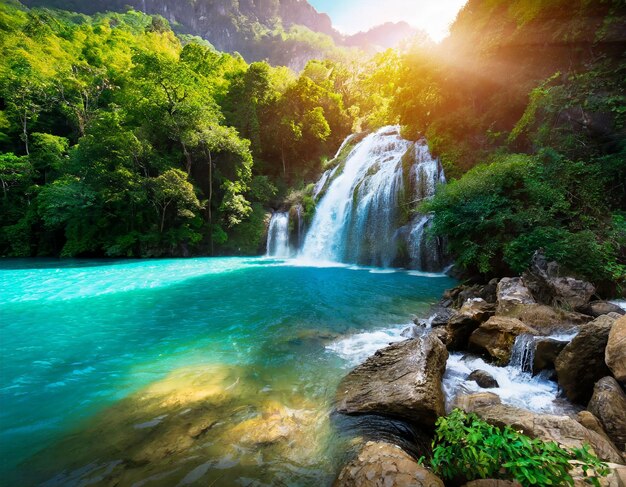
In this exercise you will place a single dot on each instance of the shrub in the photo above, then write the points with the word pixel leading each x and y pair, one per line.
pixel 467 447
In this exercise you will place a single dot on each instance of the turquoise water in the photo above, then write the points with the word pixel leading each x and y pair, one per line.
pixel 92 343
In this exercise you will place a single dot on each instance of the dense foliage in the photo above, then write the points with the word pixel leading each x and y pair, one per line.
pixel 468 448
pixel 118 138
pixel 524 103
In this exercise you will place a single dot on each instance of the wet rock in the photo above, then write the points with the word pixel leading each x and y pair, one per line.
pixel 439 317
pixel 483 379
pixel 608 404
pixel 589 421
pixel 546 352
pixel 381 464
pixel 544 281
pixel 599 308
pixel 412 331
pixel 465 321
pixel 497 337
pixel 563 430
pixel 470 402
pixel 547 320
pixel 402 380
pixel 512 292
pixel 581 363
pixel 615 354
pixel 493 483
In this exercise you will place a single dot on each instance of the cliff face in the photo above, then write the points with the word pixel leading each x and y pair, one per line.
pixel 257 29
pixel 250 27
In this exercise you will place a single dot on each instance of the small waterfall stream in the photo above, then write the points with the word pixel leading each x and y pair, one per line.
pixel 523 353
pixel 365 214
pixel 278 236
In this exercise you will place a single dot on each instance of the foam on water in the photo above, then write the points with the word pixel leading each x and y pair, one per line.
pixel 357 348
pixel 621 303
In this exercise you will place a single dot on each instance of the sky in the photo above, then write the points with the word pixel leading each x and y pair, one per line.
pixel 351 16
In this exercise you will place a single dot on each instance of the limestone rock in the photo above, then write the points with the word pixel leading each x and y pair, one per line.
pixel 615 355
pixel 563 430
pixel 439 316
pixel 546 352
pixel 547 320
pixel 459 329
pixel 544 281
pixel 497 336
pixel 581 363
pixel 385 465
pixel 599 308
pixel 402 380
pixel 483 379
pixel 512 292
pixel 589 421
pixel 478 309
pixel 608 404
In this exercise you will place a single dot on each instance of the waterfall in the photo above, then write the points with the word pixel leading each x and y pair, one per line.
pixel 523 353
pixel 365 214
pixel 278 236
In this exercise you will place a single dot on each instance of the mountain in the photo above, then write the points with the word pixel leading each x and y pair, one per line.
pixel 284 32
pixel 384 36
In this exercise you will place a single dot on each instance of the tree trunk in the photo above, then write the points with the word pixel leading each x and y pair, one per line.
pixel 25 133
pixel 188 159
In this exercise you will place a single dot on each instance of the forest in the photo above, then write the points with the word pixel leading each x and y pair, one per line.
pixel 120 138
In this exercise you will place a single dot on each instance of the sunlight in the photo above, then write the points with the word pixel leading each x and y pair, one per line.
pixel 434 18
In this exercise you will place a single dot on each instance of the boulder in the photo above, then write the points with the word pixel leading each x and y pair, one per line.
pixel 547 287
pixel 470 402
pixel 381 464
pixel 563 430
pixel 546 352
pixel 547 320
pixel 615 354
pixel 483 379
pixel 589 421
pixel 440 316
pixel 608 404
pixel 402 380
pixel 599 308
pixel 497 337
pixel 512 292
pixel 581 363
pixel 478 309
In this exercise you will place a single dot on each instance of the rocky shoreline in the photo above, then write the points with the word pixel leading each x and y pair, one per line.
pixel 563 334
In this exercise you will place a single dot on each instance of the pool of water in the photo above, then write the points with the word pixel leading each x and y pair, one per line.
pixel 183 372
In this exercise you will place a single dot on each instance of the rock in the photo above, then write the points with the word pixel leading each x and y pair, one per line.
pixel 546 352
pixel 589 421
pixel 493 483
pixel 615 354
pixel 547 320
pixel 470 402
pixel 547 287
pixel 483 379
pixel 581 363
pixel 563 430
pixel 440 316
pixel 478 309
pixel 381 464
pixel 402 380
pixel 608 404
pixel 497 336
pixel 512 292
pixel 599 308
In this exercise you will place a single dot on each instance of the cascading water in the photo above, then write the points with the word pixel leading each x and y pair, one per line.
pixel 523 353
pixel 364 214
pixel 278 236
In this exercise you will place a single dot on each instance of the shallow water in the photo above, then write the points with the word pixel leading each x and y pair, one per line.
pixel 183 372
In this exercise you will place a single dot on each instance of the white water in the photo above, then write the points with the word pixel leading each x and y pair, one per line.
pixel 278 236
pixel 359 216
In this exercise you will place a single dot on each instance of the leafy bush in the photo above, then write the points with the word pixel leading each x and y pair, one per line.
pixel 467 447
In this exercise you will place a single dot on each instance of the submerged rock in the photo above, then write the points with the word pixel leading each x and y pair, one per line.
pixel 581 363
pixel 615 355
pixel 563 430
pixel 381 464
pixel 608 404
pixel 402 380
pixel 483 379
pixel 547 287
pixel 512 292
pixel 497 337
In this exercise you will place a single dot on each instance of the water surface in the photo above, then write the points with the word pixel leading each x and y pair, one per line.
pixel 183 372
